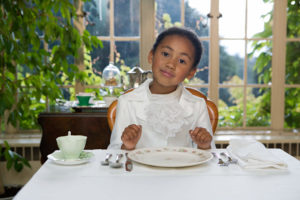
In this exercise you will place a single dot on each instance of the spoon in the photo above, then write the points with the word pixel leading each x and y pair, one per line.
pixel 106 161
pixel 220 161
pixel 117 163
pixel 230 160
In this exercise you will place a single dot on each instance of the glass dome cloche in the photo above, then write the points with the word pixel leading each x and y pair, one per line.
pixel 111 76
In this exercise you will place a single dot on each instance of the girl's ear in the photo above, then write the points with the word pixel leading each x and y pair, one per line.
pixel 191 73
pixel 150 57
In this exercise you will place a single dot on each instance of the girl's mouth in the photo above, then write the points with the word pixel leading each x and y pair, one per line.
pixel 167 74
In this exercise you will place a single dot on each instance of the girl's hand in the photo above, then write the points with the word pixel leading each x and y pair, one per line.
pixel 201 137
pixel 131 136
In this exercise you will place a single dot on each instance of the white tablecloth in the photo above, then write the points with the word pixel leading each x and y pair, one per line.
pixel 205 181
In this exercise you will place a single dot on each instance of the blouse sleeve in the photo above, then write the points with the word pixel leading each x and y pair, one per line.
pixel 122 121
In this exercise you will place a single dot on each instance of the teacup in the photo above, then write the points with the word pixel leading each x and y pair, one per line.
pixel 83 100
pixel 71 146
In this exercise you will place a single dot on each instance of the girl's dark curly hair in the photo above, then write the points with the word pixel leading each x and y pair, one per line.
pixel 183 32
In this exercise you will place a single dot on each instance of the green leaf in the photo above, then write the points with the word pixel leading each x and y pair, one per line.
pixel 18 166
pixel 9 164
pixel 6 145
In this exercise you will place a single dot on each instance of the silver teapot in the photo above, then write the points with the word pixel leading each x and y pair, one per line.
pixel 137 76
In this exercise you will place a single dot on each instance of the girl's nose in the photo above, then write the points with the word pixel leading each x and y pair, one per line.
pixel 171 64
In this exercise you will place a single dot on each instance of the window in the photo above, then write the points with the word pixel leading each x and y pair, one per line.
pixel 243 67
pixel 250 67
pixel 116 24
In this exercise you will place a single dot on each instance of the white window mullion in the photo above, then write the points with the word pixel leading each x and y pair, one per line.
pixel 147 27
pixel 245 68
pixel 214 53
pixel 78 23
pixel 278 65
pixel 111 30
pixel 182 13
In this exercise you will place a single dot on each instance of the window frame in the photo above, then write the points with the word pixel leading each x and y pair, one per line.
pixel 278 85
pixel 279 39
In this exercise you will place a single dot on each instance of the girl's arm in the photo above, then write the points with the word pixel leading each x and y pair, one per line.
pixel 203 121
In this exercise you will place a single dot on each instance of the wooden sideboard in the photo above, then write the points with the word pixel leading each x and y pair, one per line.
pixel 92 124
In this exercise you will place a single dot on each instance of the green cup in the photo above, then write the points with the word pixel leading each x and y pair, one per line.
pixel 83 100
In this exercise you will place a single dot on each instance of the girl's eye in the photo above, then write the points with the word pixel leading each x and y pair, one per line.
pixel 165 53
pixel 181 61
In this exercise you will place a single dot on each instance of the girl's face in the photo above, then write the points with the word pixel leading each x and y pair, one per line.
pixel 171 63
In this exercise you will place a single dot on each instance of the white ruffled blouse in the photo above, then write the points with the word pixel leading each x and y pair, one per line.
pixel 164 113
pixel 165 118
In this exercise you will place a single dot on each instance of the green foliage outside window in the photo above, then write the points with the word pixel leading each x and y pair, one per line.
pixel 29 72
pixel 258 100
pixel 263 63
pixel 232 116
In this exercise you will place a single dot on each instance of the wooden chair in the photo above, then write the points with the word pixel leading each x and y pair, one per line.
pixel 211 107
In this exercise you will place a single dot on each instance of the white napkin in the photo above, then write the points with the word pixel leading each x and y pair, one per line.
pixel 252 154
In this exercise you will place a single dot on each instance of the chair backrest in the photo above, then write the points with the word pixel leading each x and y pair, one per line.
pixel 211 107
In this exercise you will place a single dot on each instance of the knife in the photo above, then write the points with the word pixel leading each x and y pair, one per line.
pixel 128 163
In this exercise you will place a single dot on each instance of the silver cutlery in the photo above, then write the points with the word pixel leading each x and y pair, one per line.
pixel 117 163
pixel 220 161
pixel 230 160
pixel 128 163
pixel 106 160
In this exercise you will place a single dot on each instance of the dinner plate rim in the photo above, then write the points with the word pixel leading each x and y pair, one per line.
pixel 174 149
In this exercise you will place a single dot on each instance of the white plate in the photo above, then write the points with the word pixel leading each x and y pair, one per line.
pixel 58 158
pixel 170 156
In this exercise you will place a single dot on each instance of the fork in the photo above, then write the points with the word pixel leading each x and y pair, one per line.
pixel 220 161
pixel 230 160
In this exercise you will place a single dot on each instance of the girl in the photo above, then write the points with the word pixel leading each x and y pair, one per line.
pixel 161 112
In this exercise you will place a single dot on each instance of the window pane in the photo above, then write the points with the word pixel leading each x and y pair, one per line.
pixel 257 17
pixel 127 54
pixel 68 93
pixel 292 108
pixel 100 58
pixel 202 74
pixel 232 22
pixel 127 18
pixel 259 62
pixel 97 17
pixel 258 107
pixel 232 61
pixel 195 15
pixel 231 107
pixel 167 14
pixel 293 28
pixel 292 73
pixel 204 91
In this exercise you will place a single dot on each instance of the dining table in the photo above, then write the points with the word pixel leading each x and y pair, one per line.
pixel 206 180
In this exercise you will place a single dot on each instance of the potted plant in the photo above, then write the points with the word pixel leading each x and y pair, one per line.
pixel 41 48
pixel 15 161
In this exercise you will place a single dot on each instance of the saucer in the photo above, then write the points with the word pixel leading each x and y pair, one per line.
pixel 58 158
pixel 86 105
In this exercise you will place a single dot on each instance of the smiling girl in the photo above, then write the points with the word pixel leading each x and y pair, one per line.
pixel 161 112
